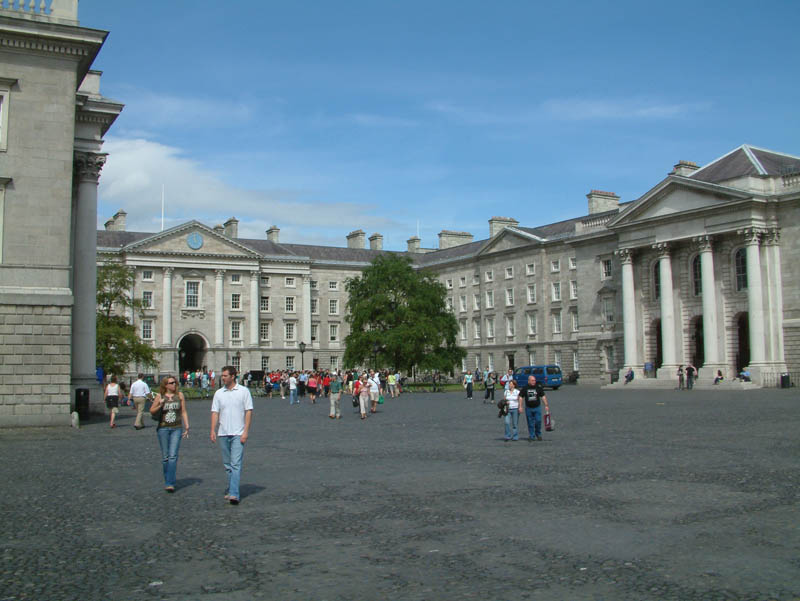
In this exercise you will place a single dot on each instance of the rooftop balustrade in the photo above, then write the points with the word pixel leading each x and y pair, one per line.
pixel 42 10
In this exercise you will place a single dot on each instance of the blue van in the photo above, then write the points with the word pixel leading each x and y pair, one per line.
pixel 548 375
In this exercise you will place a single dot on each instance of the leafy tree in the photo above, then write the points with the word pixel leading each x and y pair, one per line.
pixel 118 343
pixel 398 316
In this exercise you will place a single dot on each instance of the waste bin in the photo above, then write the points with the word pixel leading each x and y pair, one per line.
pixel 785 381
pixel 82 403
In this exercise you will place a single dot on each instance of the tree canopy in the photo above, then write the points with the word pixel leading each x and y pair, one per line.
pixel 118 342
pixel 399 317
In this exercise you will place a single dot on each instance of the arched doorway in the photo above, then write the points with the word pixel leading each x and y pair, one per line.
pixel 191 352
pixel 698 346
pixel 743 345
pixel 655 329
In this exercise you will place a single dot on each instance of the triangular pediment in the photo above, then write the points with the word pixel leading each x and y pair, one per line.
pixel 191 238
pixel 509 239
pixel 677 195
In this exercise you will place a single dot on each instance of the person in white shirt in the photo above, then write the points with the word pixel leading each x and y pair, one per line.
pixel 293 389
pixel 511 419
pixel 139 393
pixel 506 378
pixel 231 413
pixel 374 382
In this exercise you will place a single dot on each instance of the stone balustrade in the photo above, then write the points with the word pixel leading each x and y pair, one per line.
pixel 66 10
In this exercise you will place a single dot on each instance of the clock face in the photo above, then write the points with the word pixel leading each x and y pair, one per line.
pixel 194 240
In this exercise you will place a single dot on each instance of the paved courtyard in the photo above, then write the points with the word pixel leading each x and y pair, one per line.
pixel 636 495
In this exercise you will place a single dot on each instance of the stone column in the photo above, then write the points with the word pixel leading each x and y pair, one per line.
pixel 305 311
pixel 629 314
pixel 712 360
pixel 668 351
pixel 755 298
pixel 773 238
pixel 254 302
pixel 219 308
pixel 166 308
pixel 87 167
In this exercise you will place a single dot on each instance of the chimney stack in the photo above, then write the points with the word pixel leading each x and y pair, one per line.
pixel 498 224
pixel 449 239
pixel 413 244
pixel 117 222
pixel 601 201
pixel 219 229
pixel 684 168
pixel 376 241
pixel 232 228
pixel 356 239
pixel 273 233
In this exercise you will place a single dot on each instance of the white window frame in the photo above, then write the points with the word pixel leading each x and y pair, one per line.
pixel 236 301
pixel 147 329
pixel 530 269
pixel 236 329
pixel 289 331
pixel 532 325
pixel 147 299
pixel 573 289
pixel 476 301
pixel 557 358
pixel 575 323
pixel 290 362
pixel 575 361
pixel 490 299
pixel 555 290
pixel 489 275
pixel 290 282
pixel 186 304
pixel 265 363
pixel 289 304
pixel 313 284
pixel 476 278
pixel 333 285
pixel 236 362
pixel 5 104
pixel 448 283
pixel 449 303
pixel 511 326
pixel 314 306
pixel 490 361
pixel 608 303
pixel 462 303
pixel 146 277
pixel 462 281
pixel 462 329
pixel 333 306
pixel 509 272
pixel 264 331
pixel 334 362
pixel 236 279
pixel 555 266
pixel 489 322
pixel 532 294
pixel 264 304
pixel 509 297
pixel 265 281
pixel 314 332
pixel 557 323
pixel 476 328
pixel 573 263
pixel 605 274
pixel 333 332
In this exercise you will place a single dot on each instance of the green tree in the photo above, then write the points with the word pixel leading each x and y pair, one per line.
pixel 118 343
pixel 398 316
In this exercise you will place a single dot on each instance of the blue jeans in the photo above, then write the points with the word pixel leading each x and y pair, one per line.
pixel 512 420
pixel 169 439
pixel 293 396
pixel 534 417
pixel 232 452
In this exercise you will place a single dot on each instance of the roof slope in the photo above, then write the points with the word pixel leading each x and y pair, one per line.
pixel 747 160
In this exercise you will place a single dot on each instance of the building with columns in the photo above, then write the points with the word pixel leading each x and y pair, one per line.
pixel 700 270
pixel 52 121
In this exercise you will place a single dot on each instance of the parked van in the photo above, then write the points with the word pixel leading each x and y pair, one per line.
pixel 548 375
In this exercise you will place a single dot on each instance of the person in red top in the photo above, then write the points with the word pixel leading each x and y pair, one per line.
pixel 311 387
pixel 326 385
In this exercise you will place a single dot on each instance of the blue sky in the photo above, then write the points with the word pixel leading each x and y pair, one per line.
pixel 325 117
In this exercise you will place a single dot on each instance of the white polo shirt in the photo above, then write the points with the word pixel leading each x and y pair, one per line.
pixel 231 405
pixel 140 388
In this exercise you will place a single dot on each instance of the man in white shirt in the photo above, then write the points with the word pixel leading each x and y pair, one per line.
pixel 231 411
pixel 374 389
pixel 139 393
pixel 506 378
pixel 293 389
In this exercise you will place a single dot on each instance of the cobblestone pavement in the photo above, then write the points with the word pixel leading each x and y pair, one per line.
pixel 636 495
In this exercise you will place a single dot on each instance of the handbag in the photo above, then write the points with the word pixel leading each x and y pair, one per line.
pixel 156 417
pixel 355 401
pixel 380 400
pixel 549 425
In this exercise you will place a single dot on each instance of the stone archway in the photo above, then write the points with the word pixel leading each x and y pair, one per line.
pixel 191 352
pixel 742 321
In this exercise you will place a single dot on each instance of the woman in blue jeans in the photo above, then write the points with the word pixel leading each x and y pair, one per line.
pixel 511 419
pixel 173 425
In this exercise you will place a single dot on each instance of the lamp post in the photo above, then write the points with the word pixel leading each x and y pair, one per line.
pixel 302 347
pixel 375 348
pixel 529 348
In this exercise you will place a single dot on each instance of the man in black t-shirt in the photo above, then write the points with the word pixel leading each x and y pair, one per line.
pixel 533 396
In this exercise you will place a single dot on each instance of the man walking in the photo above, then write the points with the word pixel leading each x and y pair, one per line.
pixel 231 411
pixel 533 395
pixel 139 393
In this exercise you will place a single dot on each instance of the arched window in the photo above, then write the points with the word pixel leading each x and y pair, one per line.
pixel 697 278
pixel 740 269
pixel 656 280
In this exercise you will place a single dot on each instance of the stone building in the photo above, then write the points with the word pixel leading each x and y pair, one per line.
pixel 52 122
pixel 699 270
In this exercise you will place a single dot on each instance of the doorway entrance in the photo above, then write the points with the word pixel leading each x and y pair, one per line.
pixel 698 347
pixel 511 363
pixel 743 344
pixel 655 329
pixel 191 353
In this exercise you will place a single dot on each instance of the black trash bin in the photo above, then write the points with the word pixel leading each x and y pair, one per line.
pixel 82 403
pixel 785 381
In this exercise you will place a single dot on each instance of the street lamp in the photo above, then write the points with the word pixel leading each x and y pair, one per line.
pixel 375 348
pixel 302 347
pixel 529 348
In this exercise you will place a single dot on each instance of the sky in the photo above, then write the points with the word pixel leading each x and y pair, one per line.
pixel 406 117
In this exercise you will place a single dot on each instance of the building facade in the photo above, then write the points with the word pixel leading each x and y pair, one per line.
pixel 699 270
pixel 52 122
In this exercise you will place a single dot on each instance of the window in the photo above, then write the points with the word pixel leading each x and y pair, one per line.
pixel 236 330
pixel 509 297
pixel 490 299
pixel 555 266
pixel 192 294
pixel 557 322
pixel 265 281
pixel 575 364
pixel 236 302
pixel 147 275
pixel 333 285
pixel 462 302
pixel 573 289
pixel 314 284
pixel 289 282
pixel 532 324
pixel 289 304
pixel 574 321
pixel 147 329
pixel 5 94
pixel 334 362
pixel 314 306
pixel 510 328
pixel 740 267
pixel 264 304
pixel 263 331
pixel 557 358
pixel 236 362
pixel 532 357
pixel 289 331
pixel 608 309
pixel 490 362
pixel 697 279
pixel 556 291
pixel 489 276
pixel 314 332
pixel 147 299
pixel 333 306
pixel 265 363
pixel 490 327
pixel 476 301
pixel 476 278
pixel 656 280
pixel 573 263
pixel 476 329
pixel 290 362
pixel 462 281
pixel 530 269
pixel 605 269
pixel 236 278
pixel 509 272
pixel 449 284
pixel 449 303
pixel 333 330
pixel 531 293
pixel 462 329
